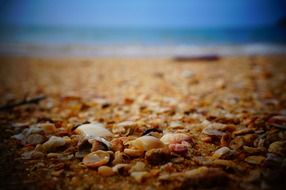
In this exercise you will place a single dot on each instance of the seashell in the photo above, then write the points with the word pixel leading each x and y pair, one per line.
pixel 96 159
pixel 139 176
pixel 121 169
pixel 35 139
pixel 32 155
pixel 53 143
pixel 222 152
pixel 180 148
pixel 212 131
pixel 120 157
pixel 105 171
pixel 123 127
pixel 152 132
pixel 278 121
pixel 146 143
pixel 254 159
pixel 243 131
pixel 236 143
pixel 176 124
pixel 139 166
pixel 117 145
pixel 278 147
pixel 171 138
pixel 133 152
pixel 158 156
pixel 93 130
pixel 253 150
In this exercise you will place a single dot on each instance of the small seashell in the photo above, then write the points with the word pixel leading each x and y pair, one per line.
pixel 139 166
pixel 32 155
pixel 133 152
pixel 117 145
pixel 53 143
pixel 146 143
pixel 139 176
pixel 180 148
pixel 253 150
pixel 278 121
pixel 123 127
pixel 35 139
pixel 105 171
pixel 96 159
pixel 254 159
pixel 236 143
pixel 120 157
pixel 187 74
pixel 176 124
pixel 278 147
pixel 93 130
pixel 171 138
pixel 212 131
pixel 121 169
pixel 222 152
pixel 158 156
pixel 243 131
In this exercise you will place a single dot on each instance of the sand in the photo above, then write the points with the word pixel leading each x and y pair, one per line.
pixel 246 84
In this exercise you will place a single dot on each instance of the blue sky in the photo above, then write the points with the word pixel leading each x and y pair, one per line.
pixel 143 13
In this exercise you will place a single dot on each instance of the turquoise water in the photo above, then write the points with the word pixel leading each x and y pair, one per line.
pixel 88 41
pixel 141 36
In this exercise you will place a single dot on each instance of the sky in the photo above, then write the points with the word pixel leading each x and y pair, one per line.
pixel 142 13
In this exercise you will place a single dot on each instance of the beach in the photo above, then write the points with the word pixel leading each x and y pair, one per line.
pixel 229 90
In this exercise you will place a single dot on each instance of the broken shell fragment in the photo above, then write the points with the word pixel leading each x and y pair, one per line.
pixel 35 139
pixel 139 166
pixel 121 169
pixel 53 143
pixel 171 138
pixel 145 143
pixel 254 159
pixel 93 130
pixel 222 152
pixel 278 147
pixel 96 159
pixel 139 176
pixel 123 127
pixel 278 121
pixel 158 156
pixel 212 131
pixel 105 171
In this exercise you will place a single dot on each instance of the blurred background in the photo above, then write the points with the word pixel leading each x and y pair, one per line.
pixel 142 27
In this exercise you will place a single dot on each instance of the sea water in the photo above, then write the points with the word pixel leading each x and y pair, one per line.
pixel 104 41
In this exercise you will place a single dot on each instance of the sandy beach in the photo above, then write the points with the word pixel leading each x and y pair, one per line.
pixel 230 89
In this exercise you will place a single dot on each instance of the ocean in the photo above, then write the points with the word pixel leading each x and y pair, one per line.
pixel 88 41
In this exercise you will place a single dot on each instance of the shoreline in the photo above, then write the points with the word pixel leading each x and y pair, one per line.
pixel 139 51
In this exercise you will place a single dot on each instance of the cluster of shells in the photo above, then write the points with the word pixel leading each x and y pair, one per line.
pixel 110 148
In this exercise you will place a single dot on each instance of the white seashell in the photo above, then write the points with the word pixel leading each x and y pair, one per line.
pixel 222 152
pixel 93 130
pixel 176 124
pixel 53 143
pixel 212 131
pixel 171 138
pixel 122 127
pixel 146 143
pixel 139 166
pixel 96 159
pixel 139 176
